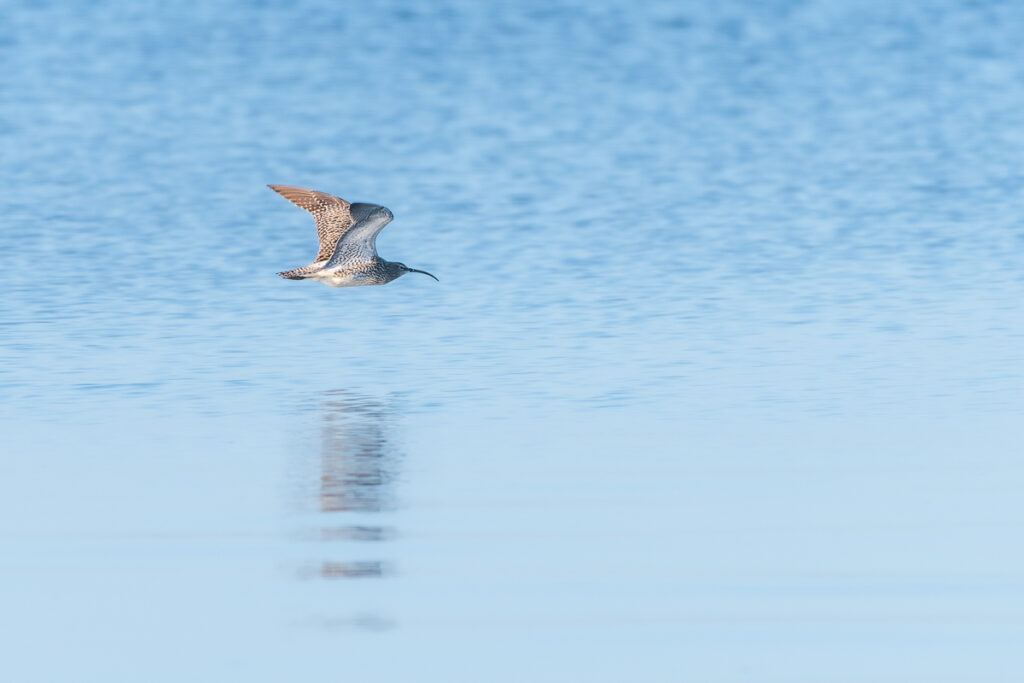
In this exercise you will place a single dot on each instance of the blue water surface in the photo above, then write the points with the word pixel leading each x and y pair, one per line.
pixel 720 382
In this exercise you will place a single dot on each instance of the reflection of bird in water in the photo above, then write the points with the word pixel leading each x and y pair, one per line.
pixel 358 467
pixel 357 464
pixel 348 241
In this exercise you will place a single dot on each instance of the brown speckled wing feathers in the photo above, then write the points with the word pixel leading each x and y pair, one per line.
pixel 332 215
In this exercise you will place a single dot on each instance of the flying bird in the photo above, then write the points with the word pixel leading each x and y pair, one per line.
pixel 348 241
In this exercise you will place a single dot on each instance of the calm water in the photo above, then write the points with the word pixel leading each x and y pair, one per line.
pixel 721 381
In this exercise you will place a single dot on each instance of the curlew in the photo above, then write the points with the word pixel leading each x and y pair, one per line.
pixel 348 241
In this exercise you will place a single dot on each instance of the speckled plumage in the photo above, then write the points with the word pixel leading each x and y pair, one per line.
pixel 348 241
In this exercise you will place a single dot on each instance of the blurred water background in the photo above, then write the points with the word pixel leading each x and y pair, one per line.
pixel 721 381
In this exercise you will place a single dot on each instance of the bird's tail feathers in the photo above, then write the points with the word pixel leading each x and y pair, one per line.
pixel 300 273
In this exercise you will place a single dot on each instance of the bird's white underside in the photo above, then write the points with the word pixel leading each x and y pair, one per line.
pixel 340 278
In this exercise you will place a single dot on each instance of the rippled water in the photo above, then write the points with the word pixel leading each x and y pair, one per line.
pixel 720 381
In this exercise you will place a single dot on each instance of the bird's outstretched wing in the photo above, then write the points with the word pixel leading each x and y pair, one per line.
pixel 332 215
pixel 359 243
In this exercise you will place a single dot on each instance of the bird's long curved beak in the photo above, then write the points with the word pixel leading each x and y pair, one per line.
pixel 413 270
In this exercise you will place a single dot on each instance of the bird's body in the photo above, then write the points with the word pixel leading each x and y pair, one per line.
pixel 348 241
pixel 373 274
